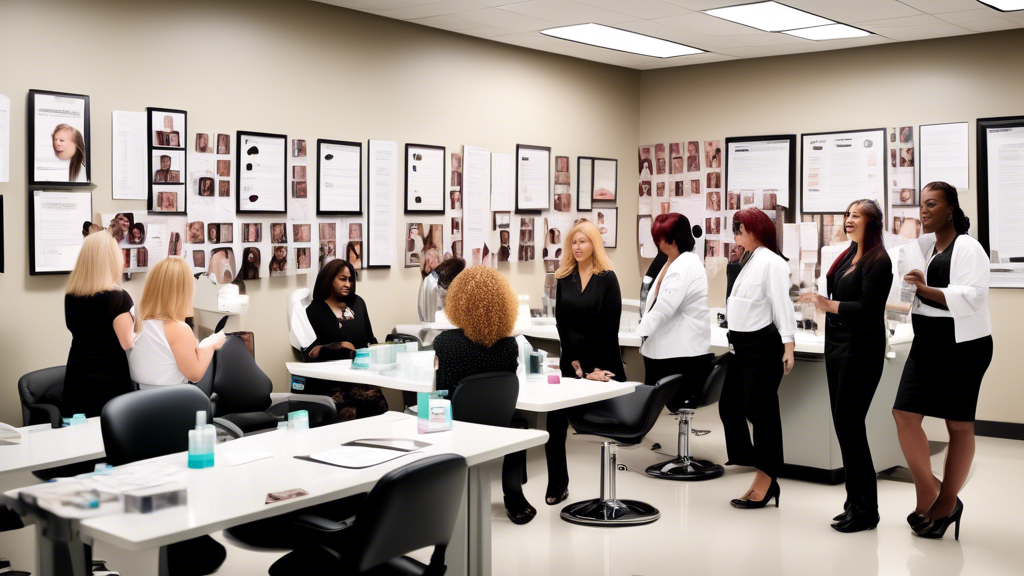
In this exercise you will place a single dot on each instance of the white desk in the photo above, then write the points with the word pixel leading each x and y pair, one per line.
pixel 534 396
pixel 223 497
pixel 550 332
pixel 45 447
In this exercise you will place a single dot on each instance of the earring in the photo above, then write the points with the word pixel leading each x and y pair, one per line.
pixel 949 217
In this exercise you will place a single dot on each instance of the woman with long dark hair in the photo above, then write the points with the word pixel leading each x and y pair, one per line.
pixel 762 326
pixel 952 349
pixel 858 286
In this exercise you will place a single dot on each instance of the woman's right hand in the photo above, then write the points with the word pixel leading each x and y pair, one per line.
pixel 576 367
pixel 214 341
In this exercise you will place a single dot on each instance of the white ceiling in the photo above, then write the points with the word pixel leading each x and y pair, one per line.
pixel 519 23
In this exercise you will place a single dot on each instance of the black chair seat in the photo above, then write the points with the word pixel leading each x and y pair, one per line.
pixel 252 422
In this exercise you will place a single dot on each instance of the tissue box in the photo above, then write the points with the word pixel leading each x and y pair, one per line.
pixel 152 499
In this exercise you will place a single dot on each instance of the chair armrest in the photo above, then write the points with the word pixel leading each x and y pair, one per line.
pixel 51 411
pixel 279 397
pixel 231 429
pixel 320 523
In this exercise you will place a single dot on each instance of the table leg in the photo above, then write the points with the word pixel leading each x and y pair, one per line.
pixel 60 552
pixel 469 552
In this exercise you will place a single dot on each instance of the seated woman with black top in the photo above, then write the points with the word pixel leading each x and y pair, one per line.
pixel 482 343
pixel 342 325
pixel 98 314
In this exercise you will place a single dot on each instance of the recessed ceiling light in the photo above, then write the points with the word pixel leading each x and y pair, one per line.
pixel 1004 5
pixel 621 40
pixel 830 32
pixel 769 16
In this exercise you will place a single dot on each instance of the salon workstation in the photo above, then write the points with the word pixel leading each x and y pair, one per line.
pixel 511 288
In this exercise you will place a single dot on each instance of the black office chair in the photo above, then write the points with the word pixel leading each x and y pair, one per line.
pixel 702 387
pixel 625 420
pixel 410 508
pixel 488 399
pixel 40 392
pixel 152 423
pixel 241 395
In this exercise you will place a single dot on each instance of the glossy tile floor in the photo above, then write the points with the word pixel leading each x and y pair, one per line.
pixel 699 533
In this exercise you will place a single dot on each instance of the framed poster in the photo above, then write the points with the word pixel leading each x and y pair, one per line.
pixel 167 135
pixel 58 139
pixel 606 178
pixel 339 177
pixel 55 229
pixel 759 166
pixel 607 222
pixel 840 167
pixel 424 179
pixel 533 179
pixel 1000 212
pixel 584 183
pixel 261 178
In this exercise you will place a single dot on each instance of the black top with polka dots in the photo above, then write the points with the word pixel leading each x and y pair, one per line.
pixel 459 357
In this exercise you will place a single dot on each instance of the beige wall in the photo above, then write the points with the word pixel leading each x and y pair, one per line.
pixel 949 80
pixel 317 72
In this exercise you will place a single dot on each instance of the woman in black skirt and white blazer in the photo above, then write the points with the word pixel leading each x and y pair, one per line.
pixel 952 349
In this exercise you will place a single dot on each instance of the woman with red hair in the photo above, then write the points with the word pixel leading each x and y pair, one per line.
pixel 761 330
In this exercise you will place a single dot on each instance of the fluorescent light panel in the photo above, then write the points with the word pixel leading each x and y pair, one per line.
pixel 830 32
pixel 621 40
pixel 1005 5
pixel 769 16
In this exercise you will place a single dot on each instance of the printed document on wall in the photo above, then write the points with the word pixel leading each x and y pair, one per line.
pixel 1006 205
pixel 57 226
pixel 842 167
pixel 476 168
pixel 129 165
pixel 944 153
pixel 383 197
pixel 5 138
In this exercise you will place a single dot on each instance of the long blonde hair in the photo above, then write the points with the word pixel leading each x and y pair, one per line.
pixel 601 261
pixel 98 267
pixel 168 292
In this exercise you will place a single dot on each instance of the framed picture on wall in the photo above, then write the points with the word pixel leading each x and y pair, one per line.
pixel 339 177
pixel 606 174
pixel 425 179
pixel 607 222
pixel 584 184
pixel 261 177
pixel 167 131
pixel 55 229
pixel 533 179
pixel 58 139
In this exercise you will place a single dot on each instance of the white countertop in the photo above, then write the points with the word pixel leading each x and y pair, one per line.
pixel 45 447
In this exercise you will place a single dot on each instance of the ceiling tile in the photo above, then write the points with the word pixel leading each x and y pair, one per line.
pixel 702 41
pixel 853 11
pixel 762 51
pixel 487 32
pixel 924 32
pixel 373 5
pixel 449 22
pixel 507 19
pixel 698 5
pixel 941 6
pixel 646 9
pixel 906 22
pixel 768 39
pixel 991 25
pixel 435 8
pixel 567 12
pixel 708 25
pixel 969 15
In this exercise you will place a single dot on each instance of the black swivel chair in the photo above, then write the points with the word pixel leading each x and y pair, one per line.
pixel 488 399
pixel 702 388
pixel 40 393
pixel 625 421
pixel 410 508
pixel 152 423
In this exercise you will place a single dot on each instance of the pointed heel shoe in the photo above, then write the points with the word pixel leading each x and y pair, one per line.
pixel 746 503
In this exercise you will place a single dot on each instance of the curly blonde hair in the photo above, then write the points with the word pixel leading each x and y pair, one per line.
pixel 481 302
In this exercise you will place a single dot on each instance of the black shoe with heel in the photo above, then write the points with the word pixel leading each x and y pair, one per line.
pixel 937 528
pixel 773 492
pixel 556 494
pixel 915 519
pixel 858 518
pixel 518 509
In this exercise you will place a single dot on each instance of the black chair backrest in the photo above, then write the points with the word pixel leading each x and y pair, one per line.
pixel 627 419
pixel 695 380
pixel 411 507
pixel 488 398
pixel 206 382
pixel 40 390
pixel 239 383
pixel 716 380
pixel 150 423
pixel 664 389
pixel 400 338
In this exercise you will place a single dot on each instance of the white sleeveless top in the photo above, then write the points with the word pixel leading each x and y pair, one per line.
pixel 151 362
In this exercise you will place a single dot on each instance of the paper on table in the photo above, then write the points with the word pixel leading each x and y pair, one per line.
pixel 239 458
pixel 5 138
pixel 356 456
pixel 129 165
pixel 136 477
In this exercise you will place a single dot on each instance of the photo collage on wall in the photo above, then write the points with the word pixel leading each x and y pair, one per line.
pixel 686 178
pixel 167 143
pixel 144 238
pixel 905 211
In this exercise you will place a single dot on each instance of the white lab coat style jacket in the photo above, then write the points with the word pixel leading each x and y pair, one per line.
pixel 676 321
pixel 967 293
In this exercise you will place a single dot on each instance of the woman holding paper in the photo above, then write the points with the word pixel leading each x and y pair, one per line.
pixel 952 350
pixel 762 326
pixel 855 339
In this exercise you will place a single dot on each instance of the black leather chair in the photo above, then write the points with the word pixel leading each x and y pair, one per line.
pixel 241 393
pixel 152 423
pixel 701 388
pixel 40 393
pixel 488 399
pixel 625 421
pixel 410 508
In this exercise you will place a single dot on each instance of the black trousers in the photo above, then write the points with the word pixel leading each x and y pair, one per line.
pixel 554 450
pixel 513 468
pixel 853 375
pixel 751 392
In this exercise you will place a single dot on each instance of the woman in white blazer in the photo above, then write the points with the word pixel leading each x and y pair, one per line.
pixel 952 349
pixel 676 326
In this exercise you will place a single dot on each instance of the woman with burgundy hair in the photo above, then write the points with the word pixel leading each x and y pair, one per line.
pixel 858 286
pixel 761 330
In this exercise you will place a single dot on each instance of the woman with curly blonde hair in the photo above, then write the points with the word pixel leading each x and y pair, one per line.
pixel 483 307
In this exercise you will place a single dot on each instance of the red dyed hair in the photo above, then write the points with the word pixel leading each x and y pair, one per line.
pixel 662 227
pixel 760 226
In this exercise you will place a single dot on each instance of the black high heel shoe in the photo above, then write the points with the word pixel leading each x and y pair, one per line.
pixel 773 492
pixel 858 519
pixel 518 509
pixel 937 528
pixel 556 494
pixel 915 519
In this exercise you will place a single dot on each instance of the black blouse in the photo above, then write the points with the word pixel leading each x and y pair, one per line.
pixel 861 292
pixel 588 323
pixel 938 273
pixel 330 329
pixel 459 357
pixel 97 367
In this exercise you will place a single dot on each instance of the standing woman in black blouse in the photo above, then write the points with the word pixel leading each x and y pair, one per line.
pixel 342 326
pixel 588 305
pixel 952 349
pixel 858 286
pixel 98 314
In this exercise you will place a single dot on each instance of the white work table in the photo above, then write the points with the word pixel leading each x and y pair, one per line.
pixel 226 496
pixel 45 447
pixel 534 395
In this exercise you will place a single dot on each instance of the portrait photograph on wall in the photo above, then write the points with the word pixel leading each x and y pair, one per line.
pixel 58 133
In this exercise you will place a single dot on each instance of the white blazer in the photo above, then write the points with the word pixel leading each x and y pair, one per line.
pixel 967 293
pixel 676 321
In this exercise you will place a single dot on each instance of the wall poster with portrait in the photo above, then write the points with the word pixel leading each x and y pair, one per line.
pixel 58 136
pixel 167 134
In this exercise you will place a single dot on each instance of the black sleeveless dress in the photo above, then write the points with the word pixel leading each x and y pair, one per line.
pixel 942 378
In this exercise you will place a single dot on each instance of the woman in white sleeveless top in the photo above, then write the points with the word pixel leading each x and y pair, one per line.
pixel 166 352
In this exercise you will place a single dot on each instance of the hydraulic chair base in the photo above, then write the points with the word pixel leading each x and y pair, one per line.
pixel 608 510
pixel 683 467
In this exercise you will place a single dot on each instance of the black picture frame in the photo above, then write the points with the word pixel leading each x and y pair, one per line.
pixel 791 138
pixel 534 211
pixel 983 126
pixel 444 180
pixel 239 135
pixel 319 180
pixel 152 149
pixel 885 171
pixel 32 271
pixel 31 141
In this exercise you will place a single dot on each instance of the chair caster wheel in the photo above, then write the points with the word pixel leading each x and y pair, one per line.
pixel 621 467
pixel 655 446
